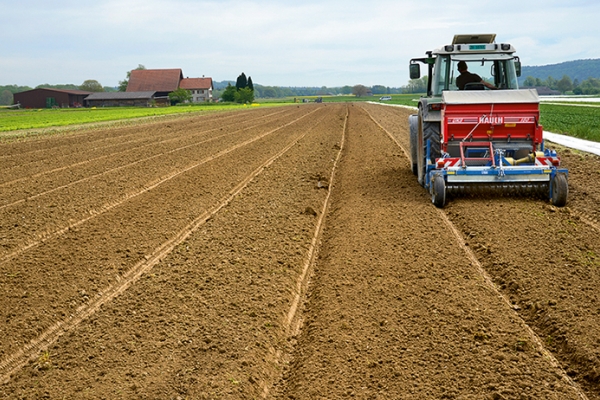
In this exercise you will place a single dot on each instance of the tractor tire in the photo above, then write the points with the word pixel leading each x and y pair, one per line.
pixel 438 191
pixel 560 190
pixel 413 122
pixel 427 131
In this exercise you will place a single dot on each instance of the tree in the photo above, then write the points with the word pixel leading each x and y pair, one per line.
pixel 241 81
pixel 379 89
pixel 359 90
pixel 244 95
pixel 180 96
pixel 416 85
pixel 68 86
pixel 529 81
pixel 123 84
pixel 91 85
pixel 590 86
pixel 347 90
pixel 250 84
pixel 551 82
pixel 6 98
pixel 565 84
pixel 229 93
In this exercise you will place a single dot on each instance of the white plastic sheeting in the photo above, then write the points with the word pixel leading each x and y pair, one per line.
pixel 574 143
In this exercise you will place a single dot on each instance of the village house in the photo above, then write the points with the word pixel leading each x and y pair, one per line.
pixel 201 88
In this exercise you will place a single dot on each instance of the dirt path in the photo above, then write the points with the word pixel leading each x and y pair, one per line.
pixel 214 257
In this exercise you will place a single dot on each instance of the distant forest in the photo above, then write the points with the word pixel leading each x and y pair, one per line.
pixel 573 77
pixel 579 70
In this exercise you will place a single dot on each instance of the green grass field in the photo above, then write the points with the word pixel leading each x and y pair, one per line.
pixel 16 120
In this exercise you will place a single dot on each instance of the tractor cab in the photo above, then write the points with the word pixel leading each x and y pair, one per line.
pixel 493 62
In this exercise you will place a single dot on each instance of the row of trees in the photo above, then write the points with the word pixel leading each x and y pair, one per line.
pixel 261 91
pixel 565 85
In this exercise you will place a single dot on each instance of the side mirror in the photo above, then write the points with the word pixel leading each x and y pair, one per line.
pixel 415 71
pixel 518 68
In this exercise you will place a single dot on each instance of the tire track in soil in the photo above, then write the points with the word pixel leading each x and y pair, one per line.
pixel 178 330
pixel 293 321
pixel 553 284
pixel 396 309
pixel 488 281
pixel 543 260
pixel 15 362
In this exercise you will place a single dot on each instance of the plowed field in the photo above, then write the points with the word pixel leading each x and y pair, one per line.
pixel 286 253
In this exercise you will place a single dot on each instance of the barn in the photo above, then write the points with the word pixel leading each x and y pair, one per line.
pixel 49 98
pixel 161 81
pixel 126 99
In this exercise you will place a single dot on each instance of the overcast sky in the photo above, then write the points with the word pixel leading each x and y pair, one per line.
pixel 276 42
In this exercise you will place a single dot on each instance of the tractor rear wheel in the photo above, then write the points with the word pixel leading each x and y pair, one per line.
pixel 427 131
pixel 413 122
pixel 560 190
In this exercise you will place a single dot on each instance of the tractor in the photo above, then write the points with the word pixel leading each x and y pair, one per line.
pixel 483 136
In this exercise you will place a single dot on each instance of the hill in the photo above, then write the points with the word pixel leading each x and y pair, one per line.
pixel 578 69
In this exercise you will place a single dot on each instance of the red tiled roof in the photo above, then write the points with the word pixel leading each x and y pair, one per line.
pixel 160 80
pixel 196 83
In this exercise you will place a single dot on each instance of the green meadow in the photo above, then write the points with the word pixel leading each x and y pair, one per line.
pixel 33 119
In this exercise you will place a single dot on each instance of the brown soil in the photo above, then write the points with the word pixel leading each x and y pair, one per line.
pixel 285 253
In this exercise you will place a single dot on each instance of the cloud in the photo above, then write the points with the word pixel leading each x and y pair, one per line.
pixel 308 43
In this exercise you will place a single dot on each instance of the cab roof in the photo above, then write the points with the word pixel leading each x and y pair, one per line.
pixel 486 38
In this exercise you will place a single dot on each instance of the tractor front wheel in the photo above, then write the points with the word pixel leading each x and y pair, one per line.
pixel 560 190
pixel 438 191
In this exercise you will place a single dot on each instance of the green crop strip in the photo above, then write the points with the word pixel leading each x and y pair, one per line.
pixel 15 120
pixel 572 120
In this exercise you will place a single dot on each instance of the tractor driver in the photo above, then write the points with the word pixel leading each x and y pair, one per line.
pixel 467 77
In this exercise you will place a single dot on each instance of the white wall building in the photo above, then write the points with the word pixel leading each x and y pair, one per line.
pixel 201 88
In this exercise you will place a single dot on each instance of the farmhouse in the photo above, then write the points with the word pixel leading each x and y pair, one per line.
pixel 201 88
pixel 48 98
